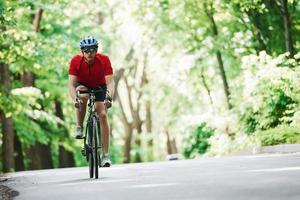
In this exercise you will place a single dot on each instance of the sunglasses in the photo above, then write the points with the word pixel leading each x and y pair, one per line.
pixel 89 50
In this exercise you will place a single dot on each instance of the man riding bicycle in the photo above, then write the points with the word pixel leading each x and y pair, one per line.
pixel 92 70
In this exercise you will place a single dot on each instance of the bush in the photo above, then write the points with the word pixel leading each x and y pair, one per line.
pixel 223 144
pixel 276 106
pixel 269 92
pixel 279 135
pixel 197 142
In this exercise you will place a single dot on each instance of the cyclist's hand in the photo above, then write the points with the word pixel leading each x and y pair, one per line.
pixel 78 103
pixel 108 100
pixel 107 103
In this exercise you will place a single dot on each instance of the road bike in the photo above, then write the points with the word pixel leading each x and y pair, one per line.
pixel 92 145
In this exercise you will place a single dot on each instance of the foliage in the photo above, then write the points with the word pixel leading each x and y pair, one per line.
pixel 197 141
pixel 251 14
pixel 279 135
pixel 270 92
pixel 222 144
pixel 183 81
pixel 23 50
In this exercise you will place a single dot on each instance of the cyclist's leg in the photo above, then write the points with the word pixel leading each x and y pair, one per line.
pixel 101 110
pixel 80 113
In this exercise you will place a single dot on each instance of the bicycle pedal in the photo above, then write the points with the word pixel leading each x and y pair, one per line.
pixel 83 151
pixel 79 137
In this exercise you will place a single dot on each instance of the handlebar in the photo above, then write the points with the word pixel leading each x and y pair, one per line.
pixel 89 91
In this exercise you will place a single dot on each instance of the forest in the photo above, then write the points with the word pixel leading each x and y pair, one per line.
pixel 192 78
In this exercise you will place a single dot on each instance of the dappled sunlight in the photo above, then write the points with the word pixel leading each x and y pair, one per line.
pixel 27 92
pixel 192 78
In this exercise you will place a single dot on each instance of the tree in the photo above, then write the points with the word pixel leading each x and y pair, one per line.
pixel 287 21
pixel 6 122
pixel 209 10
pixel 278 17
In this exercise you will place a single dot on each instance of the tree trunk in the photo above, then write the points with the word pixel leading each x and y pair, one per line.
pixel 66 158
pixel 287 27
pixel 37 20
pixel 174 146
pixel 171 147
pixel 7 124
pixel 149 130
pixel 136 113
pixel 39 154
pixel 206 87
pixel 258 33
pixel 137 123
pixel 19 159
pixel 7 143
pixel 45 155
pixel 117 77
pixel 134 104
pixel 171 144
pixel 127 146
pixel 138 156
pixel 149 122
pixel 224 79
pixel 58 109
pixel 32 153
pixel 128 127
pixel 28 79
pixel 209 13
pixel 40 157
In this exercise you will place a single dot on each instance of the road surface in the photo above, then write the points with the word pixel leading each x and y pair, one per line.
pixel 238 177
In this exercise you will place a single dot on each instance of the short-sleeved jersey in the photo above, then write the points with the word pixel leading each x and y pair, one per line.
pixel 91 75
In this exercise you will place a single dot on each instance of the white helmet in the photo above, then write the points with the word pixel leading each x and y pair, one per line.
pixel 88 41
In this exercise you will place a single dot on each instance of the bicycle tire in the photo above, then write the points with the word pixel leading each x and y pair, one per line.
pixel 91 165
pixel 100 144
pixel 95 147
pixel 90 150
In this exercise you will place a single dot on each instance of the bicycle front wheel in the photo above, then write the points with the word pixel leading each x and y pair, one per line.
pixel 90 150
pixel 95 146
pixel 91 165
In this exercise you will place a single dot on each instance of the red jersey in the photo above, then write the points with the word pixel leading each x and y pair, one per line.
pixel 91 75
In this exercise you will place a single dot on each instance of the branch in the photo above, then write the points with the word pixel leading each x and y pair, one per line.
pixel 37 20
pixel 117 79
pixel 129 89
pixel 124 118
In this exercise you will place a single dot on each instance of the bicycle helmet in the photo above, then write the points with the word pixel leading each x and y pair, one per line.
pixel 88 41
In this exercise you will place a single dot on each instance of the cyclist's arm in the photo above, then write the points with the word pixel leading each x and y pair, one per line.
pixel 110 84
pixel 71 85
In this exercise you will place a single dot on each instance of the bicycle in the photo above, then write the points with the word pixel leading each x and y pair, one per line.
pixel 92 145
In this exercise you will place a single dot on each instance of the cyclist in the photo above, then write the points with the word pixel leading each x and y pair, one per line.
pixel 91 70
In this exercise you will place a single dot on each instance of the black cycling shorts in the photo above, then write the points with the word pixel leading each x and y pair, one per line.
pixel 100 96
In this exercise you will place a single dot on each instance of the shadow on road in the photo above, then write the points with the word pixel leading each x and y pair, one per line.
pixel 74 181
pixel 6 193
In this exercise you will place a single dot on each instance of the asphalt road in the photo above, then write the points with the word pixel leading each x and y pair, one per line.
pixel 238 177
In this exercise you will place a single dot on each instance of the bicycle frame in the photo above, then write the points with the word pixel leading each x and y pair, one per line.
pixel 91 114
pixel 92 137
